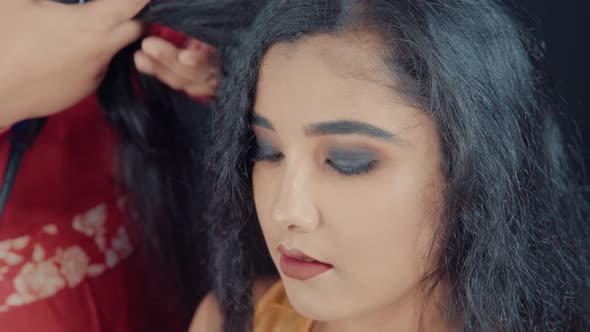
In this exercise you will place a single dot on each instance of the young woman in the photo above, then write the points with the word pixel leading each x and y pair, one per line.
pixel 404 168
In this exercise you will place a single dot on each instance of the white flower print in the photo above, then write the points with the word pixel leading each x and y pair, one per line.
pixel 111 258
pixel 50 229
pixel 43 269
pixel 74 264
pixel 13 259
pixel 21 243
pixel 3 271
pixel 92 222
pixel 96 269
pixel 121 243
pixel 36 281
pixel 4 248
pixel 100 242
pixel 7 248
pixel 38 253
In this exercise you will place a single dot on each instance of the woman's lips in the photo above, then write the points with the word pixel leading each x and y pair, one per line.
pixel 296 265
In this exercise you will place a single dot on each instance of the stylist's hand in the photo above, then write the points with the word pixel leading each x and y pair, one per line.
pixel 193 69
pixel 52 55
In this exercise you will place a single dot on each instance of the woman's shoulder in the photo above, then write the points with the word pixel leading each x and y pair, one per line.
pixel 260 286
pixel 209 317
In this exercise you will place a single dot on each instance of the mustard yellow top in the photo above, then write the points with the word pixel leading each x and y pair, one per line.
pixel 274 313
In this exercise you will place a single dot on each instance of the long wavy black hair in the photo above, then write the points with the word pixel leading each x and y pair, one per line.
pixel 161 134
pixel 514 237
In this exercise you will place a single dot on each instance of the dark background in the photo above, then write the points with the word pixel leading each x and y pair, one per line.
pixel 565 27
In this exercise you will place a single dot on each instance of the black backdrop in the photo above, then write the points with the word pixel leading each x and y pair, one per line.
pixel 565 27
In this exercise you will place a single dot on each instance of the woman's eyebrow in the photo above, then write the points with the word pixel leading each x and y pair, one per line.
pixel 343 127
pixel 260 121
pixel 349 128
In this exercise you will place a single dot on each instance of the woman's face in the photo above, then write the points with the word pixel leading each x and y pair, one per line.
pixel 347 175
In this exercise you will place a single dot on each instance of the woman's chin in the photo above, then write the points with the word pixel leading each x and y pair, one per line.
pixel 318 307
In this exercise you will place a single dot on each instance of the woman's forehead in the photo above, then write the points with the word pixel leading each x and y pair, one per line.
pixel 339 72
pixel 351 55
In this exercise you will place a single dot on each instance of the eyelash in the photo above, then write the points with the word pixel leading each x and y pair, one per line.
pixel 352 170
pixel 259 156
pixel 273 158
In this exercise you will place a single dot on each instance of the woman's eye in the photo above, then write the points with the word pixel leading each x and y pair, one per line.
pixel 351 162
pixel 265 152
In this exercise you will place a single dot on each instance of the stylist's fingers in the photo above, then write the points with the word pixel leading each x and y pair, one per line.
pixel 192 63
pixel 206 87
pixel 152 67
pixel 197 82
pixel 195 69
pixel 160 49
pixel 114 12
pixel 197 54
pixel 187 63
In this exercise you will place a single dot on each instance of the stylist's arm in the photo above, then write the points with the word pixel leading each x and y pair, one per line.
pixel 52 55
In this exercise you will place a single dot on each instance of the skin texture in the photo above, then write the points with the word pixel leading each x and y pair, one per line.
pixel 375 227
pixel 53 55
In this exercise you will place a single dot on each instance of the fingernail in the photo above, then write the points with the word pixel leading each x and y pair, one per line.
pixel 197 45
pixel 193 44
